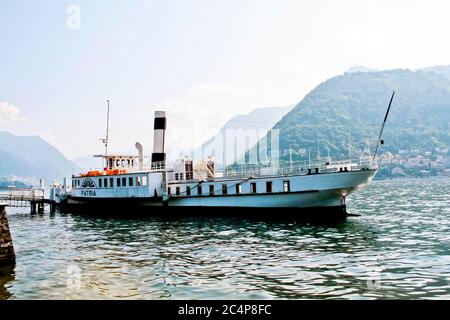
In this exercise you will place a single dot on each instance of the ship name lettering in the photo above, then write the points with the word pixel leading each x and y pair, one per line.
pixel 88 193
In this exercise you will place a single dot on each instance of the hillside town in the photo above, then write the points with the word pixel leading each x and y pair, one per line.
pixel 415 163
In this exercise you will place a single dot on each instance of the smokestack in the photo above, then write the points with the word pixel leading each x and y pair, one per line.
pixel 158 155
pixel 141 155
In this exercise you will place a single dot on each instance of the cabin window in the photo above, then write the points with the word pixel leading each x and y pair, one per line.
pixel 177 191
pixel 100 183
pixel 238 188
pixel 118 182
pixel 176 176
pixel 78 182
pixel 181 176
pixel 268 186
pixel 224 189
pixel 111 182
pixel 169 191
pixel 253 187
pixel 117 163
pixel 286 186
pixel 188 191
pixel 138 181
pixel 211 190
pixel 188 167
pixel 130 181
pixel 199 190
pixel 105 182
pixel 124 182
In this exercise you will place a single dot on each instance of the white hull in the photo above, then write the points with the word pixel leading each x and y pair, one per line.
pixel 319 190
pixel 307 191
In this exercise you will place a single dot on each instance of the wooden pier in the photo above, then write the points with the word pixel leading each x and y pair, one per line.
pixel 26 197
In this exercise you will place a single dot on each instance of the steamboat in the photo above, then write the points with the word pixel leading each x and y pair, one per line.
pixel 127 183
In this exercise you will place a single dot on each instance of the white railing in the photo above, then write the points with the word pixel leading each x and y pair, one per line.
pixel 25 194
pixel 295 168
pixel 156 166
pixel 254 170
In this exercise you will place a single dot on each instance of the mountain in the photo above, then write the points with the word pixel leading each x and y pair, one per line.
pixel 87 162
pixel 350 108
pixel 444 70
pixel 11 165
pixel 31 156
pixel 4 183
pixel 257 122
pixel 440 69
pixel 360 69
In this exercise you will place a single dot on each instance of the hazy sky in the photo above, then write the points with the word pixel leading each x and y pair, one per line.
pixel 202 61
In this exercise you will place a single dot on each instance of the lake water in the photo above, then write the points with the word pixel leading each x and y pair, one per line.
pixel 398 248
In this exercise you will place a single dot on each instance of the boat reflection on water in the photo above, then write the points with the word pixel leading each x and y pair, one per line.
pixel 384 253
pixel 209 258
pixel 87 256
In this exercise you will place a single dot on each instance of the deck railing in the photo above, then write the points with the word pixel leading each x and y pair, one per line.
pixel 255 170
pixel 156 166
pixel 296 168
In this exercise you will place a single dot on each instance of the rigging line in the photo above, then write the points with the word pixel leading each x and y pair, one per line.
pixel 382 126
pixel 309 125
pixel 301 125
pixel 223 119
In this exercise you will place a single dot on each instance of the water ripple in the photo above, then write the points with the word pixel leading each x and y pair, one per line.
pixel 398 248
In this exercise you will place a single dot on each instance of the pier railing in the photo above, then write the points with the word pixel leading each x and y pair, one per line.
pixel 21 196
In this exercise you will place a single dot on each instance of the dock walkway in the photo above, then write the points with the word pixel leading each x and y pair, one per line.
pixel 24 197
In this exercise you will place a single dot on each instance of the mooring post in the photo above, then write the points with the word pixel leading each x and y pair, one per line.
pixel 52 207
pixel 33 207
pixel 40 207
pixel 7 255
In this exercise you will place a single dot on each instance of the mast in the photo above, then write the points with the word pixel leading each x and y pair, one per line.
pixel 349 145
pixel 106 139
pixel 107 131
pixel 318 150
pixel 382 127
pixel 309 158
